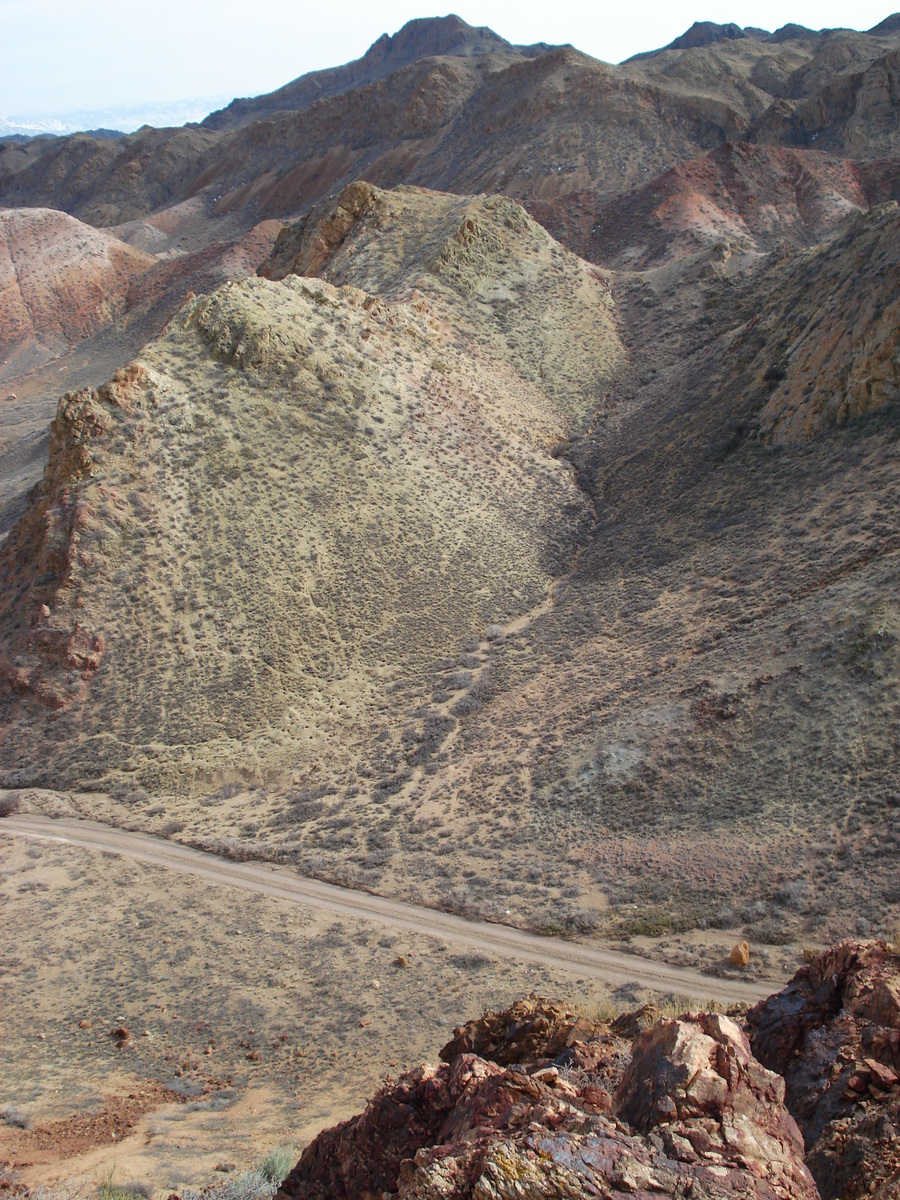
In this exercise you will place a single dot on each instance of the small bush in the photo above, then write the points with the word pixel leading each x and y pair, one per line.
pixel 276 1164
pixel 250 1185
pixel 770 932
pixel 15 1117
pixel 470 961
pixel 109 1190
pixel 42 1192
pixel 10 803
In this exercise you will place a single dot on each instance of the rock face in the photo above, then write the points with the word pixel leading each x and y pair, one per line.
pixel 537 1101
pixel 831 363
pixel 692 1113
pixel 531 1029
pixel 834 1034
pixel 51 553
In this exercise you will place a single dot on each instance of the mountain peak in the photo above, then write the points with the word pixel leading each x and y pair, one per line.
pixel 426 37
pixel 422 37
pixel 890 24
pixel 704 33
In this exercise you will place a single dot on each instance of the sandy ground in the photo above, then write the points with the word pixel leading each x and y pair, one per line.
pixel 251 1022
pixel 592 960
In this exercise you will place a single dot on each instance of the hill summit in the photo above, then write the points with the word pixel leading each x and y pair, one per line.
pixel 423 37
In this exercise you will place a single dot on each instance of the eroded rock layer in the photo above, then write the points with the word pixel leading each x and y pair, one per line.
pixel 540 1101
pixel 684 1110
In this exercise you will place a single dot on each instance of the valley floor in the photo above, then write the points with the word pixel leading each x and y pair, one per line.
pixel 154 1016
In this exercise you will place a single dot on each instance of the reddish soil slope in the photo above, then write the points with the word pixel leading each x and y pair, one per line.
pixel 60 282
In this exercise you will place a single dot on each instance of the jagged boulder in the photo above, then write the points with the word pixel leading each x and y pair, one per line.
pixel 305 247
pixel 834 1034
pixel 694 1114
pixel 532 1029
pixel 695 1084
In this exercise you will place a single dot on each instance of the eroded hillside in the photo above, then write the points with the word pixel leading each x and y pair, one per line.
pixel 306 492
pixel 60 282
pixel 453 548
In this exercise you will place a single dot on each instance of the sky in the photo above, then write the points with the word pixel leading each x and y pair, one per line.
pixel 169 57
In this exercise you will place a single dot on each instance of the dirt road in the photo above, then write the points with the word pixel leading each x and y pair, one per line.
pixel 585 960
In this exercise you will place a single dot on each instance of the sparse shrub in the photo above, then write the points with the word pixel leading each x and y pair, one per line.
pixel 724 919
pixel 10 803
pixel 249 1185
pixel 583 920
pixel 470 961
pixel 11 1115
pixel 276 1163
pixel 228 792
pixel 794 895
pixel 64 1192
pixel 110 1190
pixel 458 680
pixel 770 932
pixel 596 1008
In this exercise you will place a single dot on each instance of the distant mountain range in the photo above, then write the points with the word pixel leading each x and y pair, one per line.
pixel 418 39
pixel 114 121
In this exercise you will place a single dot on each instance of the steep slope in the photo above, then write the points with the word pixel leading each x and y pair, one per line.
pixel 75 303
pixel 835 361
pixel 60 282
pixel 702 724
pixel 306 491
pixel 363 586
pixel 853 113
pixel 755 198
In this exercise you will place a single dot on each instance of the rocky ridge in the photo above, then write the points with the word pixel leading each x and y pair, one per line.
pixel 416 391
pixel 488 444
pixel 538 1101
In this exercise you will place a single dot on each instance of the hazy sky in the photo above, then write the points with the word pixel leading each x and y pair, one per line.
pixel 62 55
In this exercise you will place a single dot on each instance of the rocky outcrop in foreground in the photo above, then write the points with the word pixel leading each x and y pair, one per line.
pixel 834 1035
pixel 538 1101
